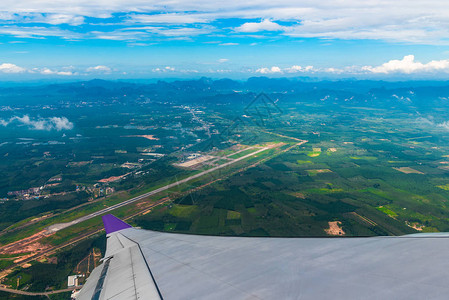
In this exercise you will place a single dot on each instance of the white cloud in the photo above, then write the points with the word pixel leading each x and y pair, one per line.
pixel 47 18
pixel 144 33
pixel 398 21
pixel 271 70
pixel 292 69
pixel 61 123
pixel 38 32
pixel 53 123
pixel 55 19
pixel 296 69
pixel 47 71
pixel 408 65
pixel 164 69
pixel 223 60
pixel 222 71
pixel 172 31
pixel 167 18
pixel 334 70
pixel 429 121
pixel 99 69
pixel 444 125
pixel 65 73
pixel 136 44
pixel 228 44
pixel 11 68
pixel 265 25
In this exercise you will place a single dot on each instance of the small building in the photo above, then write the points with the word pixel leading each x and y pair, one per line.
pixel 72 280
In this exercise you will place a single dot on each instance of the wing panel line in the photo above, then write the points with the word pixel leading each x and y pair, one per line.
pixel 100 282
pixel 148 267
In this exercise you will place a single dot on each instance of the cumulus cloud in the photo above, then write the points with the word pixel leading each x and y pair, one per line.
pixel 271 70
pixel 61 123
pixel 99 69
pixel 408 65
pixel 292 69
pixel 429 121
pixel 296 69
pixel 11 68
pixel 265 25
pixel 53 123
pixel 47 71
pixel 334 70
pixel 169 69
pixel 165 69
pixel 444 125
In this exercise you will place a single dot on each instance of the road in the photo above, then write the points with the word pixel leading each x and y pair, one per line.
pixel 3 289
pixel 57 227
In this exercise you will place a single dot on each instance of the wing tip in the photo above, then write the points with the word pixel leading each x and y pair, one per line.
pixel 113 224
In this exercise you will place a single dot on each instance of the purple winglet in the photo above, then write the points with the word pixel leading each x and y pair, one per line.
pixel 113 224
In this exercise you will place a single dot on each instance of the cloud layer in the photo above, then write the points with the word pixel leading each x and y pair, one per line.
pixel 53 123
pixel 408 65
pixel 401 20
pixel 10 68
pixel 265 25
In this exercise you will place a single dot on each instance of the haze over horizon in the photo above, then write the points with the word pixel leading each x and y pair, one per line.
pixel 44 39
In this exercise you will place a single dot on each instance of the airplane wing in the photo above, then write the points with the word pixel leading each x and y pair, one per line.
pixel 142 264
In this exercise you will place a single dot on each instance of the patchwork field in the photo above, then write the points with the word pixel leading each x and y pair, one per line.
pixel 375 178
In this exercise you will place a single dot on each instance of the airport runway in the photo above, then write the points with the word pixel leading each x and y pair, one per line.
pixel 56 227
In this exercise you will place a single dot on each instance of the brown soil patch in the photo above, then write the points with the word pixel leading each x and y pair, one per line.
pixel 146 136
pixel 79 163
pixel 408 170
pixel 112 178
pixel 28 245
pixel 334 228
pixel 300 195
pixel 318 171
pixel 415 226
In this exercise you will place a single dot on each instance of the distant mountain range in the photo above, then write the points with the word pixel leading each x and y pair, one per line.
pixel 419 93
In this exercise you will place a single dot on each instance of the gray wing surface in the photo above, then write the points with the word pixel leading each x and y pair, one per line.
pixel 124 273
pixel 179 266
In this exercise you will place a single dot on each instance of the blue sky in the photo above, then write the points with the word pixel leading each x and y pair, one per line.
pixel 111 39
